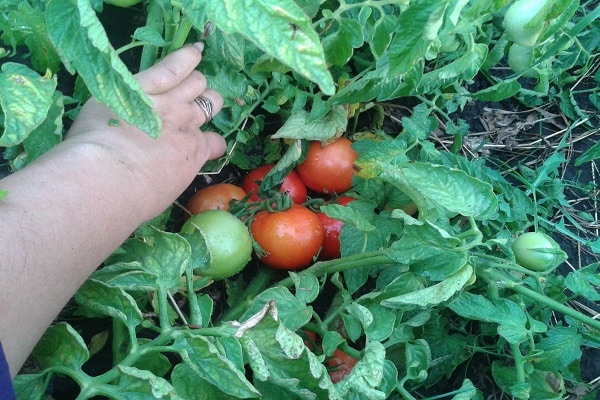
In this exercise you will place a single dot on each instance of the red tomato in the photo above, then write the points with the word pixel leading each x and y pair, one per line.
pixel 292 184
pixel 340 365
pixel 214 197
pixel 328 169
pixel 290 238
pixel 331 241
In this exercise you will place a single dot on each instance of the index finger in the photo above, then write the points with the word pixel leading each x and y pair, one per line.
pixel 171 70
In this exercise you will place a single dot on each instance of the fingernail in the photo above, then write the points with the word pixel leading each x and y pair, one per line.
pixel 199 46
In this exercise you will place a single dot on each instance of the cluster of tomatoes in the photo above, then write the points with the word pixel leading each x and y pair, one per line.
pixel 289 238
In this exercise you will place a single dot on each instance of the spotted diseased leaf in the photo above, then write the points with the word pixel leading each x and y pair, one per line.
pixel 83 46
pixel 278 27
pixel 61 347
pixel 25 99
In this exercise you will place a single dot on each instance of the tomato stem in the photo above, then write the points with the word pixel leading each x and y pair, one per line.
pixel 343 264
pixel 495 277
pixel 257 285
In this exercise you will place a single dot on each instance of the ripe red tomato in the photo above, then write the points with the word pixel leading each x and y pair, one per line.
pixel 214 197
pixel 331 241
pixel 292 184
pixel 290 238
pixel 340 365
pixel 328 169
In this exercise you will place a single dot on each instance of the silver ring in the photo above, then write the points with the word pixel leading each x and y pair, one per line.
pixel 206 106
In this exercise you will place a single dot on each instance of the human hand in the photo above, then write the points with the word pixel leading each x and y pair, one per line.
pixel 166 165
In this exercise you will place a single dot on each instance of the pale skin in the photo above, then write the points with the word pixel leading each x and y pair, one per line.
pixel 70 209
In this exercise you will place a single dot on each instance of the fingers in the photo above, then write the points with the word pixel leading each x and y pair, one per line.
pixel 208 111
pixel 215 145
pixel 171 70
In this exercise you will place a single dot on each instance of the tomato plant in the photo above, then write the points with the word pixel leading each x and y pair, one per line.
pixel 328 168
pixel 332 228
pixel 292 184
pixel 290 239
pixel 227 240
pixel 340 364
pixel 214 197
pixel 537 251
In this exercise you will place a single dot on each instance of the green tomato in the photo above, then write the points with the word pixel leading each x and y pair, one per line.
pixel 537 252
pixel 520 59
pixel 123 3
pixel 227 240
pixel 519 22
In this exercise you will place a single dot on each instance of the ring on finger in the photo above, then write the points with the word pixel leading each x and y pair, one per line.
pixel 206 106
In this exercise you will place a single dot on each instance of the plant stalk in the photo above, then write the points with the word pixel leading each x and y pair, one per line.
pixel 496 277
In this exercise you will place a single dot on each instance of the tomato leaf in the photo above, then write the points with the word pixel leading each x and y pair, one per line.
pixel 22 24
pixel 25 99
pixel 300 125
pixel 561 346
pixel 509 316
pixel 279 28
pixel 30 386
pixel 292 311
pixel 417 27
pixel 340 44
pixel 97 299
pixel 204 361
pixel 83 45
pixel 282 364
pixel 61 347
pixel 435 294
pixel 135 383
pixel 49 133
pixel 365 378
pixel 435 188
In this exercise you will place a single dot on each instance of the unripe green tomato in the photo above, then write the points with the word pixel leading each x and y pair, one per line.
pixel 123 3
pixel 520 59
pixel 537 251
pixel 517 18
pixel 227 240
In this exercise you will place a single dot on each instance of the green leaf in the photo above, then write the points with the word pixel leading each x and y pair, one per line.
pixel 98 299
pixel 26 25
pixel 382 34
pixel 49 133
pixel 25 99
pixel 3 194
pixel 30 386
pixel 418 26
pixel 509 316
pixel 292 311
pixel 339 46
pixel 502 90
pixel 435 294
pixel 590 154
pixel 306 286
pixel 149 35
pixel 300 126
pixel 281 363
pixel 188 386
pixel 463 68
pixel 364 380
pixel 560 348
pixel 138 384
pixel 81 41
pixel 208 364
pixel 584 282
pixel 278 27
pixel 434 188
pixel 61 347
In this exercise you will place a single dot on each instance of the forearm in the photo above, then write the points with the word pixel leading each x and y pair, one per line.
pixel 63 216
